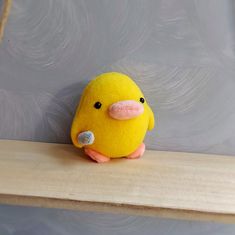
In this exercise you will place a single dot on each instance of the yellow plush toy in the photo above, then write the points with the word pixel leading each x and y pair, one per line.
pixel 112 118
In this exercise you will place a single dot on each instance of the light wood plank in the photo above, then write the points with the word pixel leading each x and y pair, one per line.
pixel 5 6
pixel 167 184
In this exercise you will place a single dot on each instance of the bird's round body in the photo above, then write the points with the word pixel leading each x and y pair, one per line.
pixel 114 111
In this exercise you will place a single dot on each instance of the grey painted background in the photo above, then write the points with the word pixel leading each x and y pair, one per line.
pixel 181 53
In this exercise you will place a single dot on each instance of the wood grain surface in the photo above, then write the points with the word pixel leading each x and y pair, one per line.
pixel 4 12
pixel 167 184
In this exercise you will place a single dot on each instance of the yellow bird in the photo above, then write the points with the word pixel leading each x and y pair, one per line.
pixel 112 118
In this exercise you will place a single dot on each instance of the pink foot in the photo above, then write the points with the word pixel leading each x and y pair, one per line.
pixel 98 157
pixel 138 152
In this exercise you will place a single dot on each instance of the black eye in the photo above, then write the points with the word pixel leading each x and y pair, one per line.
pixel 97 105
pixel 142 100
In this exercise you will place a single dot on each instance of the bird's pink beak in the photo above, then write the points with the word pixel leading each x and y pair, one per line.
pixel 126 109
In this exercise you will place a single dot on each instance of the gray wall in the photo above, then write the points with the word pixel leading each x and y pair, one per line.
pixel 180 52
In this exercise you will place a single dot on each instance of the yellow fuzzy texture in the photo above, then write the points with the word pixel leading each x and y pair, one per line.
pixel 113 138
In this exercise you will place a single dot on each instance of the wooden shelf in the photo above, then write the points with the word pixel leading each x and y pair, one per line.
pixel 165 184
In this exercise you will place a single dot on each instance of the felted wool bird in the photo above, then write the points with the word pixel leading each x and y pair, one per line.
pixel 112 118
